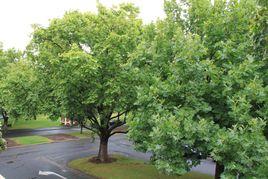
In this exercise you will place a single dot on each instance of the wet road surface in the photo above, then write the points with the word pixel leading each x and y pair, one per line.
pixel 43 131
pixel 26 162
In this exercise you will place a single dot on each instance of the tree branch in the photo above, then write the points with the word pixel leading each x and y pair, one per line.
pixel 116 124
pixel 94 122
pixel 92 129
pixel 48 39
pixel 118 132
pixel 118 115
pixel 91 116
pixel 212 55
pixel 94 119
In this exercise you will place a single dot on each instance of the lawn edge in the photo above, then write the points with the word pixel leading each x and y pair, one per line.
pixel 50 142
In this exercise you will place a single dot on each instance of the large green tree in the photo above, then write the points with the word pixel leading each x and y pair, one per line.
pixel 204 93
pixel 83 67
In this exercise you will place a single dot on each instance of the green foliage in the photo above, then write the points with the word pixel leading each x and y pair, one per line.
pixel 8 56
pixel 204 92
pixel 84 69
pixel 194 83
pixel 242 150
pixel 12 102
pixel 2 141
pixel 19 90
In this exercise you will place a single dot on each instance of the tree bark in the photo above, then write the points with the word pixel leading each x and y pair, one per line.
pixel 218 170
pixel 5 124
pixel 34 116
pixel 103 149
pixel 5 121
pixel 81 128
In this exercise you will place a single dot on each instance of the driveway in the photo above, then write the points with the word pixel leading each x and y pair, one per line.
pixel 27 162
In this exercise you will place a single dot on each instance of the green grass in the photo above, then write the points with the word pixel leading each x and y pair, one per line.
pixel 31 140
pixel 85 134
pixel 127 168
pixel 41 122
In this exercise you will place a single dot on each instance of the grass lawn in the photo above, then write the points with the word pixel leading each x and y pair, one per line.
pixel 41 122
pixel 30 140
pixel 85 134
pixel 127 168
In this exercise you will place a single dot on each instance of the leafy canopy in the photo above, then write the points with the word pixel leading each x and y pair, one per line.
pixel 83 65
pixel 204 92
pixel 19 90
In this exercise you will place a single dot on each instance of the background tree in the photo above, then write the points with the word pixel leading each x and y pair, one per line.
pixel 203 93
pixel 19 90
pixel 83 66
pixel 6 57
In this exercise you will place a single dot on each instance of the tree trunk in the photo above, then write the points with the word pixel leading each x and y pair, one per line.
pixel 81 128
pixel 218 170
pixel 34 116
pixel 5 121
pixel 5 124
pixel 103 149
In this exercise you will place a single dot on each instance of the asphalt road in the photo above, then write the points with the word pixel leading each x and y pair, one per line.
pixel 26 162
pixel 43 131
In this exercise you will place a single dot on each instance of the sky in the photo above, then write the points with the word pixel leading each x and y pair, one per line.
pixel 17 16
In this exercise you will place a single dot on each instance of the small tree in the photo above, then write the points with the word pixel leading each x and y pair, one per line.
pixel 83 63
